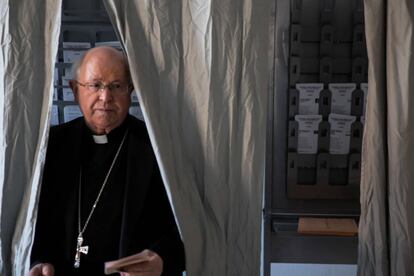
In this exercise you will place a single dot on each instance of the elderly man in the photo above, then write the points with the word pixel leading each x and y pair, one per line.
pixel 102 196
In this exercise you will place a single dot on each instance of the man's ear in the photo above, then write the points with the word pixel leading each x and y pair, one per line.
pixel 74 87
pixel 131 88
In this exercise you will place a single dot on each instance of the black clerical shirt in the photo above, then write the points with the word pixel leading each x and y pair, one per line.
pixel 102 234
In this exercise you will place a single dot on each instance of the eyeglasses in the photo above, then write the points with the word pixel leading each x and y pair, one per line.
pixel 99 86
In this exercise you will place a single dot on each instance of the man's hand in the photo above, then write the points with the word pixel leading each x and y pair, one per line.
pixel 45 269
pixel 147 263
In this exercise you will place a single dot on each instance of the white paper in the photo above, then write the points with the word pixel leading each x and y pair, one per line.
pixel 134 97
pixel 114 44
pixel 308 126
pixel 73 50
pixel 71 112
pixel 70 56
pixel 341 97
pixel 309 98
pixel 136 112
pixel 56 77
pixel 120 264
pixel 65 79
pixel 364 87
pixel 68 94
pixel 55 94
pixel 340 133
pixel 54 115
pixel 76 45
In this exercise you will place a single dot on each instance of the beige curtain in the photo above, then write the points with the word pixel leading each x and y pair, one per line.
pixel 202 69
pixel 386 238
pixel 29 32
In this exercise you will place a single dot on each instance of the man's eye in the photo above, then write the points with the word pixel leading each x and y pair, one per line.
pixel 116 85
pixel 96 85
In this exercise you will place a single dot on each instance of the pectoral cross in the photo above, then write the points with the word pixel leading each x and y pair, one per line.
pixel 80 249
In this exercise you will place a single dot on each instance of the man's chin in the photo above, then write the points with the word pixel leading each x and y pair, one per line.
pixel 104 123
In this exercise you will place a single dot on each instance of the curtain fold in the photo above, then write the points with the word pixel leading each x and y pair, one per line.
pixel 29 32
pixel 201 69
pixel 386 231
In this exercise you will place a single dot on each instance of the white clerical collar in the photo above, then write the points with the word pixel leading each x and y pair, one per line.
pixel 100 139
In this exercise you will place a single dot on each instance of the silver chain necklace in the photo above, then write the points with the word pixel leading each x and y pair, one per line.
pixel 84 249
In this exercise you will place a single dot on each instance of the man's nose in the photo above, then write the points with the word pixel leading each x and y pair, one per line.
pixel 105 94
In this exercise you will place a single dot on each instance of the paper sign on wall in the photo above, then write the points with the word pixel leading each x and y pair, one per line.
pixel 56 76
pixel 54 115
pixel 341 97
pixel 308 126
pixel 71 112
pixel 115 44
pixel 65 79
pixel 70 56
pixel 74 50
pixel 340 133
pixel 134 97
pixel 136 112
pixel 309 97
pixel 364 88
pixel 68 94
pixel 76 45
pixel 55 94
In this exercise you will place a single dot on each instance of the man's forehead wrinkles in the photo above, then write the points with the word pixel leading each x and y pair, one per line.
pixel 92 75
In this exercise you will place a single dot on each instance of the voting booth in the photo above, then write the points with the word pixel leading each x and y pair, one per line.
pixel 262 119
pixel 316 123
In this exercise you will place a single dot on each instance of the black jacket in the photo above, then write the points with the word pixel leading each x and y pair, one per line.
pixel 147 220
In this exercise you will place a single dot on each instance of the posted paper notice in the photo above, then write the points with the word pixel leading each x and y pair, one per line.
pixel 76 45
pixel 71 112
pixel 364 88
pixel 73 50
pixel 65 79
pixel 134 96
pixel 308 126
pixel 136 112
pixel 70 56
pixel 56 76
pixel 68 94
pixel 115 44
pixel 54 116
pixel 341 97
pixel 55 94
pixel 309 98
pixel 340 133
